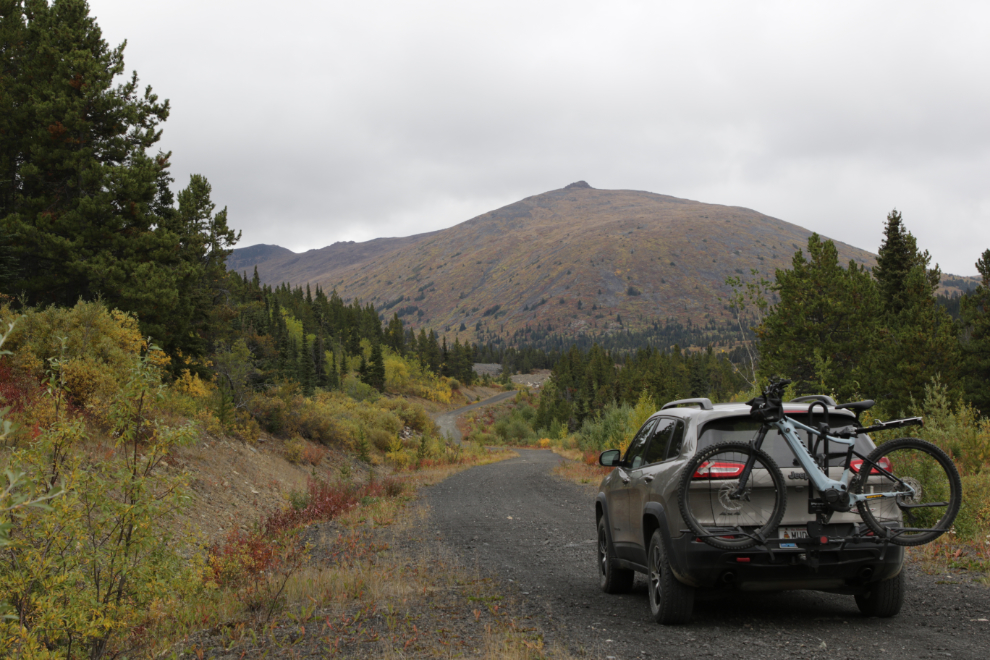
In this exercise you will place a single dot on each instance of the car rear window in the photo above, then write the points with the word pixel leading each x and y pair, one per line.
pixel 744 428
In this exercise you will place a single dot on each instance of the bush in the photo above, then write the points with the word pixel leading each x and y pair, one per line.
pixel 359 391
pixel 84 573
pixel 610 429
pixel 380 439
pixel 412 415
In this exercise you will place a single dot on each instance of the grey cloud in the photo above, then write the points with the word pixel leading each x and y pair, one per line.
pixel 337 121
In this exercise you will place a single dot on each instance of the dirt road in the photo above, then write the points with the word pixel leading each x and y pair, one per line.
pixel 448 421
pixel 537 533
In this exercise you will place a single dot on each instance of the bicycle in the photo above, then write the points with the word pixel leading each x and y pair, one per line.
pixel 733 495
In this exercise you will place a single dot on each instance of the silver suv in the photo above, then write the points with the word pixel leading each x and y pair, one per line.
pixel 640 528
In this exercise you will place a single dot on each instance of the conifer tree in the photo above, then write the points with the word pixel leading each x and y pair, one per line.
pixel 976 344
pixel 77 187
pixel 375 374
pixel 307 372
pixel 917 342
pixel 321 362
pixel 821 332
pixel 333 376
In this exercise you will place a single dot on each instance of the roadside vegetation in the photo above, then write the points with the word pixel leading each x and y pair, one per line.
pixel 104 561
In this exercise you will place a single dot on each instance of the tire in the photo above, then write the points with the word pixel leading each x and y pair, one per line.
pixel 671 602
pixel 884 599
pixel 931 508
pixel 611 579
pixel 725 523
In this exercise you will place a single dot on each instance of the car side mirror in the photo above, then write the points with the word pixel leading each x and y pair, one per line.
pixel 610 458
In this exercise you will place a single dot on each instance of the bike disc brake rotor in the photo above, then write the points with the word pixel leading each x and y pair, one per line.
pixel 908 497
pixel 729 504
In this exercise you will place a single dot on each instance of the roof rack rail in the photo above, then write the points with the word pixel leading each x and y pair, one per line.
pixel 827 400
pixel 704 404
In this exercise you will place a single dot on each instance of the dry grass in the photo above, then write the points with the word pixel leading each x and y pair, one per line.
pixel 948 553
pixel 374 585
pixel 576 468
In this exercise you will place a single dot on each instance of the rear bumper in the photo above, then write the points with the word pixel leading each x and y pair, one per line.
pixel 809 566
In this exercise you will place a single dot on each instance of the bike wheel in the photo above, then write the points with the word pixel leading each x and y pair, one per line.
pixel 928 489
pixel 706 496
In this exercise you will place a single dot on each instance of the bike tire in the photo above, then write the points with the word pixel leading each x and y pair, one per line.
pixel 931 511
pixel 707 510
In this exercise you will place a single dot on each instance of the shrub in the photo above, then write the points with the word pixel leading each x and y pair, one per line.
pixel 610 429
pixel 380 439
pixel 359 391
pixel 84 573
pixel 412 415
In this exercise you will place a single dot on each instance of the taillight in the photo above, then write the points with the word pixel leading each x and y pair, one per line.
pixel 884 463
pixel 718 470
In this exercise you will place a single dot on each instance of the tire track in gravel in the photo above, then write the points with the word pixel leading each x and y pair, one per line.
pixel 536 533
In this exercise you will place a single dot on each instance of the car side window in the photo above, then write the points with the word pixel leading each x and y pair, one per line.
pixel 676 439
pixel 634 455
pixel 657 451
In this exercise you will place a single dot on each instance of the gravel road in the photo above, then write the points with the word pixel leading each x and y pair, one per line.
pixel 536 533
pixel 448 421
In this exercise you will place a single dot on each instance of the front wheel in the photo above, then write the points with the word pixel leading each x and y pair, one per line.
pixel 712 506
pixel 671 602
pixel 611 579
pixel 913 490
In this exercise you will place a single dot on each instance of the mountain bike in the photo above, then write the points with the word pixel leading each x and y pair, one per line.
pixel 907 491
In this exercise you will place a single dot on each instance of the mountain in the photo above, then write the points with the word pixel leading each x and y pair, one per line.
pixel 573 260
pixel 276 264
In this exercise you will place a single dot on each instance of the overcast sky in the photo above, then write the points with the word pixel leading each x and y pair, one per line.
pixel 325 121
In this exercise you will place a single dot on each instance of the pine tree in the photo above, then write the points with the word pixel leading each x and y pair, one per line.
pixel 77 187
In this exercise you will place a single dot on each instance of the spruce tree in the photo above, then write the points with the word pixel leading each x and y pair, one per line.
pixel 307 372
pixel 917 341
pixel 976 344
pixel 333 376
pixel 375 374
pixel 321 362
pixel 821 332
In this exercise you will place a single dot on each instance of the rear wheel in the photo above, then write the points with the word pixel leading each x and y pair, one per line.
pixel 927 486
pixel 884 599
pixel 611 579
pixel 670 601
pixel 713 510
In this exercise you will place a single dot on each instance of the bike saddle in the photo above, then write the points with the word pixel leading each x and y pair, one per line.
pixel 857 406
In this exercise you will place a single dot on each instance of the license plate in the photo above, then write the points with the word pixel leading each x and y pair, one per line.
pixel 793 533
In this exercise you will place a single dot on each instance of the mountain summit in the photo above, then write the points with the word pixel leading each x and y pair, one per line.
pixel 577 259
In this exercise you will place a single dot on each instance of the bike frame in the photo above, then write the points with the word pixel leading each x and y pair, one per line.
pixel 788 428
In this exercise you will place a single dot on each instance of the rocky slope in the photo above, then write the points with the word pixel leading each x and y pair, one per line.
pixel 574 259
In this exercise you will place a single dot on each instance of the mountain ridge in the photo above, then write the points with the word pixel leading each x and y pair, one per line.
pixel 576 259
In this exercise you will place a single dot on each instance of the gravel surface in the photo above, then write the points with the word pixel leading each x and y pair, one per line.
pixel 536 533
pixel 448 421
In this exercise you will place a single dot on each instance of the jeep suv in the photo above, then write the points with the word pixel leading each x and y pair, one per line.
pixel 638 514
